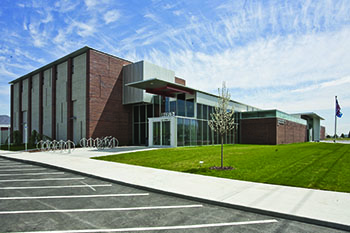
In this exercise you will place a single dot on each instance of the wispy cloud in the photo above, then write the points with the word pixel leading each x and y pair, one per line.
pixel 111 16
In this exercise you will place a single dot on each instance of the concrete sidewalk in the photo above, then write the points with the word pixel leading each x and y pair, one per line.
pixel 315 206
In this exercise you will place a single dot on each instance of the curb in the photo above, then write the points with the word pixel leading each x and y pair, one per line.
pixel 193 198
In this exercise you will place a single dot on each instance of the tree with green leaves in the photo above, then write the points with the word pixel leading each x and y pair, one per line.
pixel 222 119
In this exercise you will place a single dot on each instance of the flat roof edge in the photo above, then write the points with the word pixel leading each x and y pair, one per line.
pixel 75 53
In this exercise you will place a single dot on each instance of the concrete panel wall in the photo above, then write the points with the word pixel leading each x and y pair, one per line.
pixel 25 105
pixel 35 102
pixel 79 97
pixel 4 135
pixel 316 129
pixel 138 71
pixel 210 100
pixel 61 102
pixel 47 108
pixel 25 96
pixel 132 73
pixel 16 107
pixel 153 71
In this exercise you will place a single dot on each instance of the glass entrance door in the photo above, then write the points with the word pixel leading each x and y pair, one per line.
pixel 166 133
pixel 161 133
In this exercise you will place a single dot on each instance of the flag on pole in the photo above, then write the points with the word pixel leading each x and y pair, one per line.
pixel 338 113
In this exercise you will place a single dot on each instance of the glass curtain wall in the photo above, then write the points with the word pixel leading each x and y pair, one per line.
pixel 191 132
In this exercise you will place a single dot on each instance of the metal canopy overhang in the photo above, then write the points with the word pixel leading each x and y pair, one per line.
pixel 161 87
pixel 310 115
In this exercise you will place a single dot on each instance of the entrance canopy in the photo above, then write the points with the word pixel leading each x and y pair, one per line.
pixel 161 87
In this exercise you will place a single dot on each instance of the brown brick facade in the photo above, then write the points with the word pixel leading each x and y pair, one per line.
pixel 271 131
pixel 107 115
pixel 290 132
pixel 323 133
pixel 180 81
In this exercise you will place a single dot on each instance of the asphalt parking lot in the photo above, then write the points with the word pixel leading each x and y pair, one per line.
pixel 40 199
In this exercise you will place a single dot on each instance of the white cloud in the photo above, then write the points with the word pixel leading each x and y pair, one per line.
pixel 178 12
pixel 84 29
pixel 6 73
pixel 111 16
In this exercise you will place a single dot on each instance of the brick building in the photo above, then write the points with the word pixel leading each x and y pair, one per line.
pixel 89 93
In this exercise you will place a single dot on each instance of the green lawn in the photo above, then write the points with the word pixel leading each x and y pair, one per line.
pixel 311 165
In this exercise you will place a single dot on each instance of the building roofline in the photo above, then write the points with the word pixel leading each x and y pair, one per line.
pixel 182 86
pixel 62 59
pixel 314 115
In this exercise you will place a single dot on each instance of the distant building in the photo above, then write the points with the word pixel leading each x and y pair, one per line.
pixel 4 128
pixel 89 93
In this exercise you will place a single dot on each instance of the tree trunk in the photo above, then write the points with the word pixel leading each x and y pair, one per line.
pixel 222 151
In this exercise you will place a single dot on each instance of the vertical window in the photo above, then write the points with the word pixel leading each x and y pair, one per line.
pixel 205 132
pixel 143 133
pixel 187 136
pixel 61 112
pixel 142 113
pixel 136 114
pixel 136 134
pixel 156 133
pixel 200 133
pixel 194 128
pixel 180 132
pixel 199 111
pixel 190 107
pixel 180 105
pixel 149 110
pixel 205 112
pixel 173 106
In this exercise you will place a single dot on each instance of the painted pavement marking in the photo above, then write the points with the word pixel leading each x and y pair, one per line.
pixel 33 174
pixel 58 186
pixel 161 228
pixel 99 210
pixel 43 179
pixel 76 196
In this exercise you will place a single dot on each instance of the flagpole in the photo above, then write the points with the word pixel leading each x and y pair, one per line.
pixel 335 120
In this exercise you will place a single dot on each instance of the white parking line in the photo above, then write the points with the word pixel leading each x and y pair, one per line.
pixel 197 226
pixel 43 179
pixel 76 196
pixel 15 166
pixel 33 174
pixel 25 169
pixel 58 186
pixel 99 210
pixel 89 186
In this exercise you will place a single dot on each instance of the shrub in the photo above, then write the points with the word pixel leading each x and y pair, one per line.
pixel 17 138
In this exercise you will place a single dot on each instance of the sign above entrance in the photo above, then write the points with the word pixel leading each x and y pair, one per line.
pixel 167 114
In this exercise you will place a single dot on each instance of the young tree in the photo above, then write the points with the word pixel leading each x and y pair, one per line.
pixel 222 120
pixel 342 135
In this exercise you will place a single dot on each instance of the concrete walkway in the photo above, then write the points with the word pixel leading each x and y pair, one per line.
pixel 315 206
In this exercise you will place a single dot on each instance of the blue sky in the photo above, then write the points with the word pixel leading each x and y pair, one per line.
pixel 290 55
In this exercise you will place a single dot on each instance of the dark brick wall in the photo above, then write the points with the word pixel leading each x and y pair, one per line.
pixel 107 115
pixel 258 131
pixel 323 133
pixel 271 131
